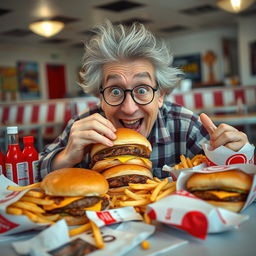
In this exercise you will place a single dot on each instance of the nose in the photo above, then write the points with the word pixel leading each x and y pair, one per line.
pixel 129 106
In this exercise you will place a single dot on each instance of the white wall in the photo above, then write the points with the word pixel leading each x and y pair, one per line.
pixel 201 42
pixel 246 35
pixel 71 58
pixel 181 45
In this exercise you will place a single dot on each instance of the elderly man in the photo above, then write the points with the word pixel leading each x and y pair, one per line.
pixel 131 73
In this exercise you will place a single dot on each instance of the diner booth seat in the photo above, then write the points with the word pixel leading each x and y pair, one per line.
pixel 46 119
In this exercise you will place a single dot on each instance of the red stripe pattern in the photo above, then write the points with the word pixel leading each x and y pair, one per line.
pixel 59 112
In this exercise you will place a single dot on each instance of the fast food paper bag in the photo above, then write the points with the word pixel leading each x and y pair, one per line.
pixel 225 156
pixel 9 223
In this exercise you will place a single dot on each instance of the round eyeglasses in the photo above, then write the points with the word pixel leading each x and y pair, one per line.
pixel 141 94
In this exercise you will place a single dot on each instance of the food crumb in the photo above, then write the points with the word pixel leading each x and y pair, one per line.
pixel 145 245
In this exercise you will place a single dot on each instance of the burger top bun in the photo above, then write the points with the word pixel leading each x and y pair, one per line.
pixel 74 182
pixel 234 179
pixel 125 136
pixel 127 169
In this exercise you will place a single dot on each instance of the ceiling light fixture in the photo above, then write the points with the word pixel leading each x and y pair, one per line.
pixel 47 28
pixel 234 6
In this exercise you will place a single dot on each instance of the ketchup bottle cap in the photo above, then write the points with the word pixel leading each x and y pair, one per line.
pixel 28 139
pixel 12 130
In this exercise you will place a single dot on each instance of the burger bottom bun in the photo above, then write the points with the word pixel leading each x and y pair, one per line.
pixel 108 163
pixel 75 220
pixel 231 206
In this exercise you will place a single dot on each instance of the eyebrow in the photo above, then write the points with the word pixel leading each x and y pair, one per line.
pixel 139 75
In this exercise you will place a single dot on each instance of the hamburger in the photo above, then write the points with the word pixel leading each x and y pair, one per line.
pixel 228 189
pixel 74 191
pixel 130 147
pixel 120 176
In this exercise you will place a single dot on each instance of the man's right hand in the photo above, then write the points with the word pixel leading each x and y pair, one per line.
pixel 90 130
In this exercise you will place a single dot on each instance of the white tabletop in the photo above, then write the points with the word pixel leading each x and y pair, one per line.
pixel 232 243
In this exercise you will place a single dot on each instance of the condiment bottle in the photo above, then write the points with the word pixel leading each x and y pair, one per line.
pixel 15 165
pixel 2 163
pixel 31 156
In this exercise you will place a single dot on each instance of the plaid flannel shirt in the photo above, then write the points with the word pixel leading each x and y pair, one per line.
pixel 176 131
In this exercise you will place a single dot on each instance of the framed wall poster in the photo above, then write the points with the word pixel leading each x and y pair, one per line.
pixel 8 83
pixel 191 65
pixel 253 58
pixel 28 80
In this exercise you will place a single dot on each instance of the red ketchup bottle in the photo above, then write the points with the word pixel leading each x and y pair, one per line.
pixel 31 156
pixel 2 164
pixel 16 167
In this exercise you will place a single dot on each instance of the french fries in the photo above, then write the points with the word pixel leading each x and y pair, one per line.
pixel 137 195
pixel 186 162
pixel 97 235
pixel 31 205
pixel 140 195
pixel 80 229
pixel 21 188
pixel 36 200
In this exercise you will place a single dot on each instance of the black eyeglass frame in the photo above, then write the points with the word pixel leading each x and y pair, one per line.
pixel 131 91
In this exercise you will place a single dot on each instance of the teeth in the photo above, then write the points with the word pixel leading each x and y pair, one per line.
pixel 131 122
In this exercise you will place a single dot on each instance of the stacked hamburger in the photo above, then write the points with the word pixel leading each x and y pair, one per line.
pixel 227 189
pixel 126 162
pixel 73 192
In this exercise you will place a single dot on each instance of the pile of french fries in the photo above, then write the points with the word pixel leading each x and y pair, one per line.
pixel 140 195
pixel 186 162
pixel 31 204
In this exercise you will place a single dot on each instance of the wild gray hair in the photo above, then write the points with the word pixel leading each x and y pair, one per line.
pixel 113 43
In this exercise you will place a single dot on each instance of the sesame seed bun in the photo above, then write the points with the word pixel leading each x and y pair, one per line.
pixel 74 182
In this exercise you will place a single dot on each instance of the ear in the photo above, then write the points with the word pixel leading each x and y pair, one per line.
pixel 161 99
pixel 101 101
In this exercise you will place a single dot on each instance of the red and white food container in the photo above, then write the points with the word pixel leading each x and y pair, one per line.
pixel 225 156
pixel 9 223
pixel 185 211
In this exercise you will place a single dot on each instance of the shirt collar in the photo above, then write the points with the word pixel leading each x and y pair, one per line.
pixel 160 134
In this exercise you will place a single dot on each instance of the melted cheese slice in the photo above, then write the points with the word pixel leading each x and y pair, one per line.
pixel 96 207
pixel 64 202
pixel 223 194
pixel 124 159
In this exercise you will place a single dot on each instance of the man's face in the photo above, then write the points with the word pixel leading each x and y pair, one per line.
pixel 127 74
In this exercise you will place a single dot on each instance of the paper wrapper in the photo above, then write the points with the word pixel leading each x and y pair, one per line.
pixel 225 156
pixel 185 211
pixel 12 224
pixel 113 216
pixel 9 223
pixel 123 239
pixel 55 240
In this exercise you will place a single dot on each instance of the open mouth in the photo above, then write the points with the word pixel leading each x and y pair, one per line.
pixel 132 124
